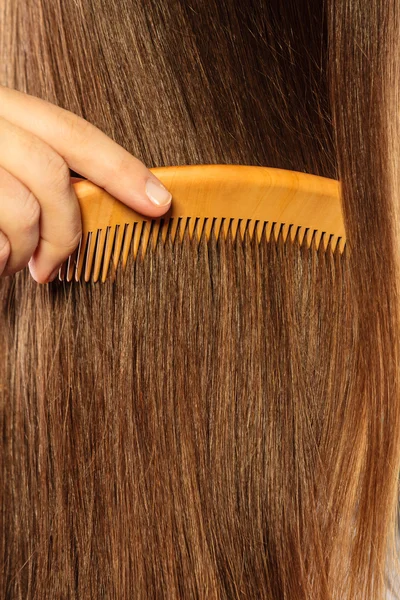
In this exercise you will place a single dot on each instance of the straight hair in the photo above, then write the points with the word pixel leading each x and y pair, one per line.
pixel 222 421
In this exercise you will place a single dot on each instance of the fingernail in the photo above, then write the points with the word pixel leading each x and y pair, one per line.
pixel 157 193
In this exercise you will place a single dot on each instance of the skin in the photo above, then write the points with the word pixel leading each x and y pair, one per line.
pixel 40 221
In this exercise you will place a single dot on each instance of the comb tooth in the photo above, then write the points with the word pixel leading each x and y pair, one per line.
pixel 147 231
pixel 102 235
pixel 268 230
pixel 305 242
pixel 307 238
pixel 195 229
pixel 303 236
pixel 246 231
pixel 300 234
pixel 208 227
pixel 157 225
pixel 63 271
pixel 186 228
pixel 287 231
pixel 127 243
pixel 180 229
pixel 235 227
pixel 178 233
pixel 81 255
pixel 159 228
pixel 202 228
pixel 279 231
pixel 224 227
pixel 338 244
pixel 322 241
pixel 177 230
pixel 317 238
pixel 263 233
pixel 258 229
pixel 191 226
pixel 174 227
pixel 279 234
pixel 119 239
pixel 228 228
pixel 216 227
pixel 108 252
pixel 252 228
pixel 149 236
pixel 166 232
pixel 152 240
pixel 313 245
pixel 68 269
pixel 272 231
pixel 254 231
pixel 72 259
pixel 243 228
pixel 91 247
pixel 295 234
pixel 142 234
pixel 329 244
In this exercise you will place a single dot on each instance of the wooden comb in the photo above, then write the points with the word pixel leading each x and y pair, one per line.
pixel 213 198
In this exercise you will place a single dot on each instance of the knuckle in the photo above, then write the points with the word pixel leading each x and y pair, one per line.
pixel 75 237
pixel 70 240
pixel 8 183
pixel 74 129
pixel 30 212
pixel 123 165
pixel 58 173
pixel 29 142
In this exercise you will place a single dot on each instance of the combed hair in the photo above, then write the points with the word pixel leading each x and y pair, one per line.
pixel 221 421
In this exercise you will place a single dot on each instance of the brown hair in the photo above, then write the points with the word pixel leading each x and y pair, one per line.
pixel 223 420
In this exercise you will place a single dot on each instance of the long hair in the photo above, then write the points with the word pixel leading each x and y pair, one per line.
pixel 222 421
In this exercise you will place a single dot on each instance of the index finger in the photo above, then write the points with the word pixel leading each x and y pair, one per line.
pixel 88 151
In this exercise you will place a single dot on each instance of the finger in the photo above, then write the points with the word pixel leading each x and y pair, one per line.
pixel 88 151
pixel 4 251
pixel 46 174
pixel 19 222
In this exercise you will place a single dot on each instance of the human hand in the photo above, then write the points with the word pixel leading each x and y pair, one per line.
pixel 40 221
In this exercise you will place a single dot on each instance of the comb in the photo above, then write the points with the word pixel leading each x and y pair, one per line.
pixel 208 199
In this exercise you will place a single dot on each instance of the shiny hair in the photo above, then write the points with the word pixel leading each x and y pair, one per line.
pixel 222 421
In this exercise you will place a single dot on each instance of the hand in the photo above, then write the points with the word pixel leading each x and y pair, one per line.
pixel 40 221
